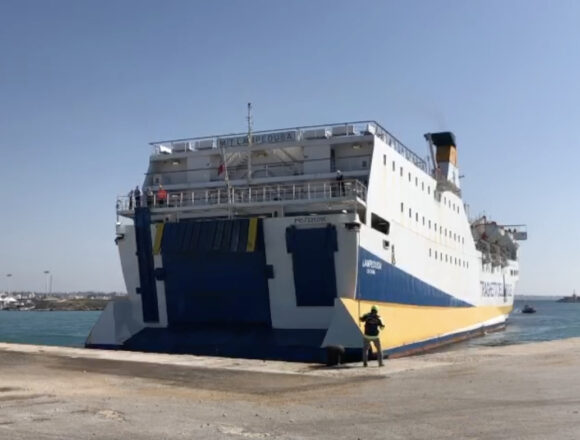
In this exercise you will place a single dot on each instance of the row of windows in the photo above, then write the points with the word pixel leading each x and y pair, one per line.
pixel 442 231
pixel 448 259
pixel 447 202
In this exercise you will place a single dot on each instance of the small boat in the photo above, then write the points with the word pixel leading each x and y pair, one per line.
pixel 528 309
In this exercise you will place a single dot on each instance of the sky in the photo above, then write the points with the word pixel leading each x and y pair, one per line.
pixel 86 85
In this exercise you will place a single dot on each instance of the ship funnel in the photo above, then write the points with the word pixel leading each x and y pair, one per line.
pixel 445 155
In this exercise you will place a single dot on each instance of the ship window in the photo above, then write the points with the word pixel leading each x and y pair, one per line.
pixel 384 159
pixel 402 207
pixel 422 186
pixel 416 181
pixel 380 224
pixel 428 190
pixel 440 230
pixel 364 163
pixel 429 224
pixel 435 254
pixel 401 171
pixel 410 213
pixel 435 226
pixel 393 165
pixel 429 251
pixel 409 177
pixel 423 220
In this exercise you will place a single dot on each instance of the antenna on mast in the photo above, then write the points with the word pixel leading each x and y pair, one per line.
pixel 250 119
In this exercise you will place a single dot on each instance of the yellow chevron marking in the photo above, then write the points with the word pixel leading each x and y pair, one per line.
pixel 252 234
pixel 158 236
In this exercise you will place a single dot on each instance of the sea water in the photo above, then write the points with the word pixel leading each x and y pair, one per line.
pixel 552 320
pixel 67 329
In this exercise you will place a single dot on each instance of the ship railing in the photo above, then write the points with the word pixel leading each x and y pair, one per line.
pixel 349 189
pixel 292 135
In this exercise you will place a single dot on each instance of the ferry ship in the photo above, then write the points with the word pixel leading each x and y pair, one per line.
pixel 272 244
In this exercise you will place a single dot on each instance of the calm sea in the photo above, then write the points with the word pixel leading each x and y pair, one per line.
pixel 69 329
pixel 551 321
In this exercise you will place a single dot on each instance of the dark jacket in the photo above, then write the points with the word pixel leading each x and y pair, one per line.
pixel 372 324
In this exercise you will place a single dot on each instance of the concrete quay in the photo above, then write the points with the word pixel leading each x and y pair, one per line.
pixel 529 391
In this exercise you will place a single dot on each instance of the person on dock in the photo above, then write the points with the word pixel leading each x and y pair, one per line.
pixel 373 325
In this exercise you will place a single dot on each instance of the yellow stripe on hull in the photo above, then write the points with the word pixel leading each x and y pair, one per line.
pixel 252 235
pixel 405 324
pixel 158 236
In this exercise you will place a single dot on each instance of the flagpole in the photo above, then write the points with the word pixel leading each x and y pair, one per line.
pixel 250 140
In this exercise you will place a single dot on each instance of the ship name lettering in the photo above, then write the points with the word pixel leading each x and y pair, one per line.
pixel 371 266
pixel 309 220
pixel 267 138
pixel 496 289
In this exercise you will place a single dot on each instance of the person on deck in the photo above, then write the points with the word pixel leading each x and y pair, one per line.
pixel 130 197
pixel 150 197
pixel 373 325
pixel 161 196
pixel 340 183
pixel 137 195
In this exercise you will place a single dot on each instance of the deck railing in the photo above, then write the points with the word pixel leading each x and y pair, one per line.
pixel 350 189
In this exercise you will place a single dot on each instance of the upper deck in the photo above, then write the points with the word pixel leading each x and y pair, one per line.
pixel 273 155
pixel 289 167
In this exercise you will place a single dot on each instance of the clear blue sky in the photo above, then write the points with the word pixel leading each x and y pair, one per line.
pixel 84 86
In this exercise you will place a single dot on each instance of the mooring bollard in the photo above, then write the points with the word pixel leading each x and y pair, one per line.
pixel 334 354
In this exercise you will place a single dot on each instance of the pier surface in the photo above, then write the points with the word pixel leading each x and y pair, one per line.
pixel 526 391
